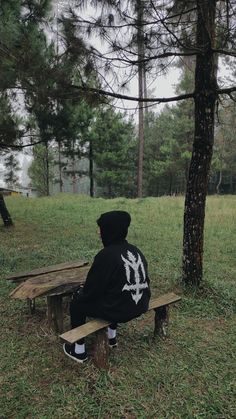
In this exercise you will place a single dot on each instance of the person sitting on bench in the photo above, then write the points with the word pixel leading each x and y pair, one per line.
pixel 117 285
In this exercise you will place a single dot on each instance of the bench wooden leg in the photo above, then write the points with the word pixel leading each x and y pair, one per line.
pixel 31 305
pixel 101 350
pixel 55 313
pixel 161 321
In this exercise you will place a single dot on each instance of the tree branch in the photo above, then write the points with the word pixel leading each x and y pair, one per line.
pixel 19 147
pixel 99 24
pixel 226 91
pixel 144 60
pixel 225 52
pixel 157 100
pixel 132 98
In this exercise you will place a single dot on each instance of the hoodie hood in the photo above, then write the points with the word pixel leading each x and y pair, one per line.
pixel 114 226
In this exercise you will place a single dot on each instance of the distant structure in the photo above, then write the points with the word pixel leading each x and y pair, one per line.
pixel 20 191
pixel 9 192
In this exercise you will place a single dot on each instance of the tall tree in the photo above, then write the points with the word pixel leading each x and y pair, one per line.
pixel 141 75
pixel 114 149
pixel 205 100
pixel 40 170
pixel 12 167
pixel 161 154
pixel 168 145
pixel 223 173
pixel 21 53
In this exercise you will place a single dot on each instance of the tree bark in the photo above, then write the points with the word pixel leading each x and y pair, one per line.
pixel 170 184
pixel 140 94
pixel 4 213
pixel 219 183
pixel 91 178
pixel 145 95
pixel 74 189
pixel 47 168
pixel 60 167
pixel 205 98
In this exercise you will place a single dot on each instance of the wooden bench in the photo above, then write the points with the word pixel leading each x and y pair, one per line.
pixel 160 305
pixel 53 282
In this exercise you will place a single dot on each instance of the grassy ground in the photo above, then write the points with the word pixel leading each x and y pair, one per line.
pixel 190 375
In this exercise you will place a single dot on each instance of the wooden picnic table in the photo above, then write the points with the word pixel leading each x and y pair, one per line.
pixel 54 283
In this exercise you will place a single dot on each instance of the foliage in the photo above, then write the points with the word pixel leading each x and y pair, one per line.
pixel 12 167
pixel 224 157
pixel 73 130
pixel 189 375
pixel 34 67
pixel 40 170
pixel 160 148
pixel 168 144
pixel 114 148
pixel 169 138
pixel 22 48
pixel 9 123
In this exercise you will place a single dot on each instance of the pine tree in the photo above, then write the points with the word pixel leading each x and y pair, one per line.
pixel 22 40
pixel 12 167
pixel 169 138
pixel 114 150
pixel 40 170
pixel 223 172
pixel 9 123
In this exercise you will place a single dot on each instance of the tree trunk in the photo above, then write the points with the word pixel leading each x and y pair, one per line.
pixel 140 94
pixel 91 178
pixel 145 95
pixel 4 213
pixel 170 184
pixel 60 166
pixel 205 98
pixel 109 189
pixel 231 184
pixel 219 183
pixel 74 189
pixel 47 168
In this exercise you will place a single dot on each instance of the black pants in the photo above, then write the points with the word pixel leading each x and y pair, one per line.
pixel 79 310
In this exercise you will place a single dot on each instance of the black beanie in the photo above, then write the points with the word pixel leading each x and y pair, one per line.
pixel 114 226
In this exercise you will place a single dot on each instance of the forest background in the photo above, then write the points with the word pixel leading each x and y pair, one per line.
pixel 83 145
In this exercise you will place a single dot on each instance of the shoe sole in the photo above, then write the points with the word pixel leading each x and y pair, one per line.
pixel 80 361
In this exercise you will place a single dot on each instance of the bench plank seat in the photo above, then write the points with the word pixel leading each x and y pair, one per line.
pixel 164 300
pixel 94 325
pixel 159 305
pixel 82 331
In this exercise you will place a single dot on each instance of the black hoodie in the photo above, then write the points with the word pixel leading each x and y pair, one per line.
pixel 118 280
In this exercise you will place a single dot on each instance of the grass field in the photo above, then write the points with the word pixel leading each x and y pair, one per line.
pixel 190 375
